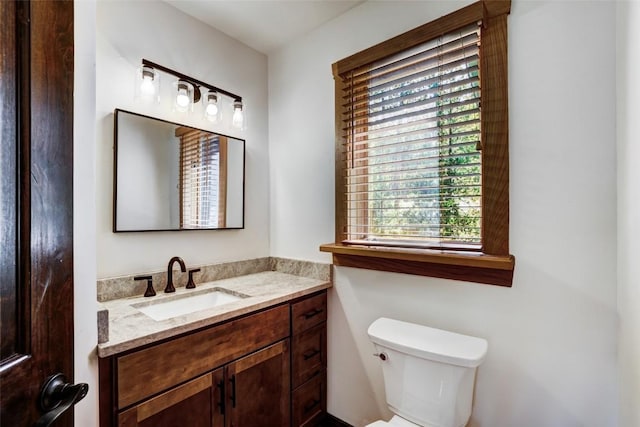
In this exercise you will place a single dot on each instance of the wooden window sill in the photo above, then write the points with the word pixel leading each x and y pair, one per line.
pixel 465 266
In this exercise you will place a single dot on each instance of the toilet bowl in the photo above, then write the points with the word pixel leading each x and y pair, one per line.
pixel 429 374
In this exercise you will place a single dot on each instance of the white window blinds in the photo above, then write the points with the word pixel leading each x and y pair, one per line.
pixel 202 162
pixel 411 127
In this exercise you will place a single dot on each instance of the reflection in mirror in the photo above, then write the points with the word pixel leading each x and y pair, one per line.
pixel 173 177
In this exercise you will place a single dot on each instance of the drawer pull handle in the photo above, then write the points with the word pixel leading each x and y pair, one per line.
pixel 309 354
pixel 311 313
pixel 311 405
pixel 220 385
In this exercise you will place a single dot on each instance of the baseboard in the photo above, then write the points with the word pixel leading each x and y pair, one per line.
pixel 331 421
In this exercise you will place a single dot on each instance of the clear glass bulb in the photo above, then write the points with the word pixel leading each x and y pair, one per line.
pixel 147 87
pixel 212 109
pixel 238 117
pixel 182 99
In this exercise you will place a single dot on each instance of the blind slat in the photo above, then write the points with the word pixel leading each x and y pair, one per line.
pixel 414 56
pixel 398 141
pixel 353 131
pixel 422 170
pixel 446 69
pixel 433 197
pixel 428 99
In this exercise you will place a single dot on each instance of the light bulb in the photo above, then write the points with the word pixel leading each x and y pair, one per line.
pixel 147 87
pixel 238 118
pixel 211 110
pixel 147 84
pixel 182 99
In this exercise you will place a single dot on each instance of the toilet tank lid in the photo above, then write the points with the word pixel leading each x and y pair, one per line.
pixel 429 343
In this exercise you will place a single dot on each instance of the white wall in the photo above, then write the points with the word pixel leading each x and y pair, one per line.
pixel 628 112
pixel 125 33
pixel 128 31
pixel 84 211
pixel 552 337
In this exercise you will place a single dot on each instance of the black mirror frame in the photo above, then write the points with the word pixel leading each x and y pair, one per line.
pixel 115 175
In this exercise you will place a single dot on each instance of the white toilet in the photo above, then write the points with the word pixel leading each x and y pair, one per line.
pixel 428 373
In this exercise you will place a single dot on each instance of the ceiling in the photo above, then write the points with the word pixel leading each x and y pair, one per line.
pixel 264 25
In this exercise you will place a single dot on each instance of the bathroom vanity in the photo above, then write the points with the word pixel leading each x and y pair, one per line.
pixel 260 361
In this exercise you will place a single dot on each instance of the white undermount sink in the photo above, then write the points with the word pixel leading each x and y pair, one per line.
pixel 179 305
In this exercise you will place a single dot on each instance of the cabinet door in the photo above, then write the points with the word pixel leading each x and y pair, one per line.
pixel 258 392
pixel 194 404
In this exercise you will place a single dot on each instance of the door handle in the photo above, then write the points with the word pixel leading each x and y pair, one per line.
pixel 56 396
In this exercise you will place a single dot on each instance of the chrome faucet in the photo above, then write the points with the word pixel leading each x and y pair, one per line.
pixel 170 287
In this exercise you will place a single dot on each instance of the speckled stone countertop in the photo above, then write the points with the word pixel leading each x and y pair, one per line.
pixel 130 328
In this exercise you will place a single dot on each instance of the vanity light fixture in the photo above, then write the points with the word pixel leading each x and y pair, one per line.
pixel 187 93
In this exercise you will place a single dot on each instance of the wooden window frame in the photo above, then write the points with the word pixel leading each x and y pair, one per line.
pixel 493 264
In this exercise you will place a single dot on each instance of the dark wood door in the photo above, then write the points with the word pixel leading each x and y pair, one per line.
pixel 258 388
pixel 36 177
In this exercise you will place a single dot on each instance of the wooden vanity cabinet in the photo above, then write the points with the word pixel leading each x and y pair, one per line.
pixel 309 360
pixel 242 373
pixel 252 391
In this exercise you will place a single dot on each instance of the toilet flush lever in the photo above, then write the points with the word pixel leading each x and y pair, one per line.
pixel 382 356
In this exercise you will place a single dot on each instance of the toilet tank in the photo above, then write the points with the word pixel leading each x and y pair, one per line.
pixel 428 373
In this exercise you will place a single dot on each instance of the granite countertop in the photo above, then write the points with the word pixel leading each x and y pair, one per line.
pixel 130 328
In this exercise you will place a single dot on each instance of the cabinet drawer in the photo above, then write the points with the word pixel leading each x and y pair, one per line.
pixel 309 312
pixel 157 368
pixel 309 402
pixel 189 404
pixel 309 353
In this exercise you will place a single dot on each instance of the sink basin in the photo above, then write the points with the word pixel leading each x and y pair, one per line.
pixel 179 305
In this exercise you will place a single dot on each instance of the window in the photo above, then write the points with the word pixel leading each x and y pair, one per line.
pixel 203 163
pixel 422 171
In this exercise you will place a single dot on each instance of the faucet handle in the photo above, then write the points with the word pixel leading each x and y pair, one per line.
pixel 150 291
pixel 190 283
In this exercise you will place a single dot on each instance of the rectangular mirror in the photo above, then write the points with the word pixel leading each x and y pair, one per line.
pixel 173 177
